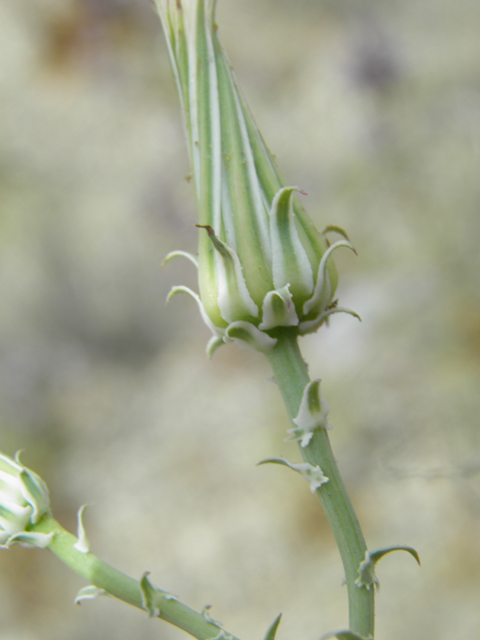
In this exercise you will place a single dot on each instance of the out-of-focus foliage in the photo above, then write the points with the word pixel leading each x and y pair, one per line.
pixel 374 110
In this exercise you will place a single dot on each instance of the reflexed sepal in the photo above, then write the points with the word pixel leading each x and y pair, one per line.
pixel 333 228
pixel 247 336
pixel 278 310
pixel 312 415
pixel 345 634
pixel 82 545
pixel 313 475
pixel 244 333
pixel 272 630
pixel 366 570
pixel 182 289
pixel 152 597
pixel 208 617
pixel 90 593
pixel 310 326
pixel 212 345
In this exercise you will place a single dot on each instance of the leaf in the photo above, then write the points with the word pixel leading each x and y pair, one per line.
pixel 90 593
pixel 152 597
pixel 379 553
pixel 366 570
pixel 82 543
pixel 313 475
pixel 272 630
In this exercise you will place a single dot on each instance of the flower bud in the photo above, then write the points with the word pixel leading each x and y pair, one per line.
pixel 261 264
pixel 23 501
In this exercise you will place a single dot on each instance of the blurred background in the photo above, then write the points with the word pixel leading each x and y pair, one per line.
pixel 373 109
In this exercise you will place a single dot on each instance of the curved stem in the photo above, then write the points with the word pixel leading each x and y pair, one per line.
pixel 121 586
pixel 292 376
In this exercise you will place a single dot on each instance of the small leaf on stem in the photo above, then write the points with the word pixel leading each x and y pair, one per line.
pixel 272 630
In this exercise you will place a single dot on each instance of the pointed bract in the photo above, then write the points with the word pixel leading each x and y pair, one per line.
pixel 312 414
pixel 152 597
pixel 90 593
pixel 82 545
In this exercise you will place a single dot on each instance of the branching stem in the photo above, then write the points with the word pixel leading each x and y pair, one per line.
pixel 116 583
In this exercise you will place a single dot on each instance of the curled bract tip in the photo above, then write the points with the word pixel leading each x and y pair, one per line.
pixel 366 570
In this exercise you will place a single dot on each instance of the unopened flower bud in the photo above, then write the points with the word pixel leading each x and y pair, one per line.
pixel 261 264
pixel 23 501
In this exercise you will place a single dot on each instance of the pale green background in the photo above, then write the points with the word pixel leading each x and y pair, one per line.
pixel 372 108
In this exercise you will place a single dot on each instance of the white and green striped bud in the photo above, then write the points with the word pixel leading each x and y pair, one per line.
pixel 23 501
pixel 262 264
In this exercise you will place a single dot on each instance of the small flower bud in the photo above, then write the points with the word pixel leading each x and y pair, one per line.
pixel 261 261
pixel 23 501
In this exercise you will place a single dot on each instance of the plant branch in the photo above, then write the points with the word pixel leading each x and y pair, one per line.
pixel 123 587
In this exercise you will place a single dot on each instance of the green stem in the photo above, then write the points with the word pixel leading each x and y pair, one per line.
pixel 291 376
pixel 116 583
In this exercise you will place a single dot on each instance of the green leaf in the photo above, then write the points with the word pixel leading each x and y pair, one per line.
pixel 366 570
pixel 272 630
pixel 379 553
pixel 152 597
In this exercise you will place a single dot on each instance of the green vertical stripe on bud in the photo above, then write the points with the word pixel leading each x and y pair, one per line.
pixel 271 179
pixel 234 300
pixel 290 260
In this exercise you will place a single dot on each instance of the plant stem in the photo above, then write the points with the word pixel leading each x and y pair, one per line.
pixel 116 583
pixel 291 376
